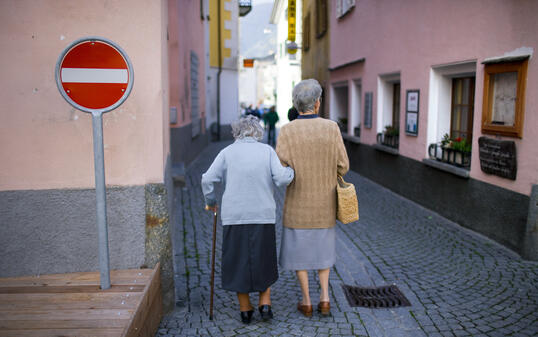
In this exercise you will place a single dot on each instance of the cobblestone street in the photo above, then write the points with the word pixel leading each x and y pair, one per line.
pixel 459 283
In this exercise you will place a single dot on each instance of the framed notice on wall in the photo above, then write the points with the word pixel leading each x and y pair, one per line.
pixel 368 99
pixel 411 112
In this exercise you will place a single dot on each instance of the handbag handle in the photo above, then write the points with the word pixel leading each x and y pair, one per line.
pixel 340 180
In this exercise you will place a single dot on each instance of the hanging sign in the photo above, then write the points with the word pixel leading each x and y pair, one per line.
pixel 498 157
pixel 291 24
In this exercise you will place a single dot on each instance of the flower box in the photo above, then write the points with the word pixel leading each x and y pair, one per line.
pixel 448 155
pixel 388 140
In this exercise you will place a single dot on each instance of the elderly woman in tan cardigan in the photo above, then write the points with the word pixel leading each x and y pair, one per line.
pixel 314 148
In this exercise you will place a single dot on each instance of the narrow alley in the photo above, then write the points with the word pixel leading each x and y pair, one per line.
pixel 458 282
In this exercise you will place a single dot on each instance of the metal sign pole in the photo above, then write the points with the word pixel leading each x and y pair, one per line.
pixel 100 191
pixel 108 75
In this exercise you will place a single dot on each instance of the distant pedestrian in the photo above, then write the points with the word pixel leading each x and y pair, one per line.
pixel 249 169
pixel 292 114
pixel 253 111
pixel 313 146
pixel 270 119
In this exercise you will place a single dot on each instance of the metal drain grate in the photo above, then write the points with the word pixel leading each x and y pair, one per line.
pixel 380 297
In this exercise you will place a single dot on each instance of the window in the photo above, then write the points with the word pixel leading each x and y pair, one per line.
pixel 504 98
pixel 340 105
pixel 321 18
pixel 388 110
pixel 396 106
pixel 343 7
pixel 355 109
pixel 462 110
pixel 306 32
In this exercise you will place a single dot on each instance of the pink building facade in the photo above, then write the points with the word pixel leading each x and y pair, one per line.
pixel 187 77
pixel 47 198
pixel 404 75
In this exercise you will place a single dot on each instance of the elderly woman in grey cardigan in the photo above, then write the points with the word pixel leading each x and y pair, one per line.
pixel 248 169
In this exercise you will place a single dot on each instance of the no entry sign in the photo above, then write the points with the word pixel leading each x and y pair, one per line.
pixel 94 75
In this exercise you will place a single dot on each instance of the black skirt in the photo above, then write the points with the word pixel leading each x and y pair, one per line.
pixel 249 261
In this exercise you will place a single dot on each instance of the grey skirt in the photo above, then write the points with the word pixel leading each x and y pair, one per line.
pixel 249 262
pixel 306 249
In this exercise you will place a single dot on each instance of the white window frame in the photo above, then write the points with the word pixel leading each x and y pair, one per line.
pixel 440 97
pixel 335 107
pixel 355 94
pixel 385 94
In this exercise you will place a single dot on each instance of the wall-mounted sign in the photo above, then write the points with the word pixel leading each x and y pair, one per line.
pixel 411 112
pixel 368 99
pixel 498 157
pixel 291 23
pixel 248 63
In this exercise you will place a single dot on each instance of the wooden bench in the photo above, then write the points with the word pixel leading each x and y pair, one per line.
pixel 74 305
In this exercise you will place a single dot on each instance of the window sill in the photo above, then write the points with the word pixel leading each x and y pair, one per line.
pixel 350 138
pixel 460 172
pixel 386 149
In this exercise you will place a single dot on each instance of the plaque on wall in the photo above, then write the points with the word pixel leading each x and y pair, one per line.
pixel 498 157
pixel 411 112
pixel 368 98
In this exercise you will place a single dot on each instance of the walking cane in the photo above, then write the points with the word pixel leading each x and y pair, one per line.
pixel 212 261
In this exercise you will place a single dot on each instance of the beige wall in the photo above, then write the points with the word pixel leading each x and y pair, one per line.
pixel 44 142
pixel 316 60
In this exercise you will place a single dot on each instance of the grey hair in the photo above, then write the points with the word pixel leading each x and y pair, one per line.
pixel 305 94
pixel 248 126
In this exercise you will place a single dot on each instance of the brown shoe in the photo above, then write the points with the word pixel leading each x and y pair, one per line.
pixel 324 308
pixel 305 309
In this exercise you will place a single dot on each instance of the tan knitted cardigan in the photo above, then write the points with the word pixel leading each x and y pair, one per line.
pixel 315 150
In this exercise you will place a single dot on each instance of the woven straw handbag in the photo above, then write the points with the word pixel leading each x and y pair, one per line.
pixel 348 205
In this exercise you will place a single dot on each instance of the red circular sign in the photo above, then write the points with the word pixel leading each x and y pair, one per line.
pixel 94 75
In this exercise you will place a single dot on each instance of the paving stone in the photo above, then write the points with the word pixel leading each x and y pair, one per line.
pixel 459 283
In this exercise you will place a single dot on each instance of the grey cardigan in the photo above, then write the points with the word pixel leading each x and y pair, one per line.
pixel 248 170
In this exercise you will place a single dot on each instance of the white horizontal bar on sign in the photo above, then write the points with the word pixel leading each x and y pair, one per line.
pixel 94 75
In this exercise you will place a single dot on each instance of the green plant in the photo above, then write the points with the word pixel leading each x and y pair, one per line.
pixel 460 144
pixel 391 131
pixel 445 141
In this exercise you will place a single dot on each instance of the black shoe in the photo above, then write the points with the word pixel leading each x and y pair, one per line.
pixel 246 316
pixel 265 312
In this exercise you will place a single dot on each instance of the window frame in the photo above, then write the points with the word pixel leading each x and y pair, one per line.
pixel 490 70
pixel 306 32
pixel 396 104
pixel 470 105
pixel 321 18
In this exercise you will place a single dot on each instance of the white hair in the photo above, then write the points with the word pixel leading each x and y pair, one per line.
pixel 305 94
pixel 248 126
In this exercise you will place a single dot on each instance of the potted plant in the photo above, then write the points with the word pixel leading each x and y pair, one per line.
pixel 462 151
pixel 357 131
pixel 455 151
pixel 445 147
pixel 390 136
